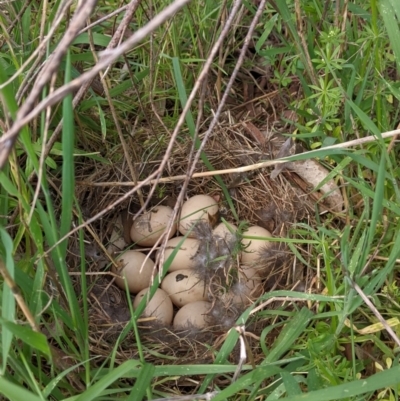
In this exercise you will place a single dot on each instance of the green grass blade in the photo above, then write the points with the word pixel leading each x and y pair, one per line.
pixel 16 392
pixel 376 215
pixel 183 97
pixel 289 335
pixel 388 10
pixel 226 349
pixel 32 338
pixel 290 383
pixel 8 300
pixel 68 171
pixel 142 384
pixel 121 371
pixel 248 380
pixel 267 30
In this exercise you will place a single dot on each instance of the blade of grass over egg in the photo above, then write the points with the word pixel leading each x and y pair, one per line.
pixel 134 317
pixel 192 131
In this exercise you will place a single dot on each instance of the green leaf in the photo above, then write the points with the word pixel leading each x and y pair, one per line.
pixel 32 338
pixel 388 10
pixel 258 375
pixel 96 389
pixel 16 392
pixel 289 335
pixel 290 383
pixel 98 39
pixel 142 383
pixel 267 30
pixel 8 300
pixel 68 169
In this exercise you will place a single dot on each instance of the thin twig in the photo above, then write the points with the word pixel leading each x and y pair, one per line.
pixel 18 297
pixel 105 18
pixel 375 311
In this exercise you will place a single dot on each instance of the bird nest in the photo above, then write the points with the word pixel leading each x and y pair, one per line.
pixel 276 205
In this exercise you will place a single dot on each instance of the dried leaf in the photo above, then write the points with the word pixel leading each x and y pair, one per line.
pixel 313 174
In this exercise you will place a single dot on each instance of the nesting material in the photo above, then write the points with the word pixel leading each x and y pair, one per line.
pixel 215 255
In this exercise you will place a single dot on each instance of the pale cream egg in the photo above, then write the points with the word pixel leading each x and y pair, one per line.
pixel 193 314
pixel 159 306
pixel 183 286
pixel 185 252
pixel 225 230
pixel 252 247
pixel 136 268
pixel 197 208
pixel 149 227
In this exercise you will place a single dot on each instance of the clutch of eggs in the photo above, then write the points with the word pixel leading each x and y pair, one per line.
pixel 181 286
